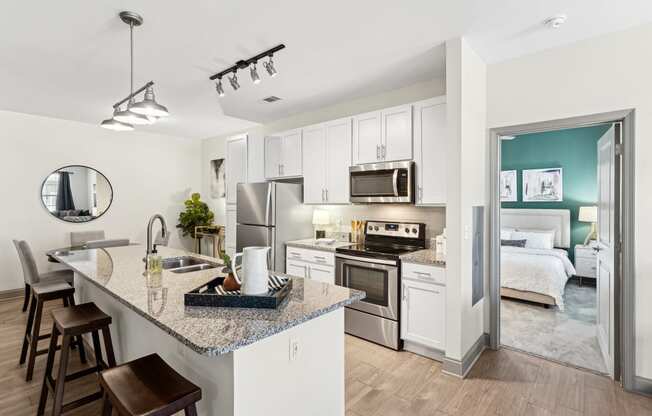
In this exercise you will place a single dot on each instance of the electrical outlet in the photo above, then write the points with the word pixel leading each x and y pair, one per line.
pixel 294 349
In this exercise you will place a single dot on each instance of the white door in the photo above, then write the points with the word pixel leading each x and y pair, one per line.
pixel 314 164
pixel 296 268
pixel 367 138
pixel 236 165
pixel 430 151
pixel 272 157
pixel 291 153
pixel 338 151
pixel 323 274
pixel 606 244
pixel 423 313
pixel 397 133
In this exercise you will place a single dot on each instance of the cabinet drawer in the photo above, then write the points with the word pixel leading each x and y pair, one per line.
pixel 587 253
pixel 586 267
pixel 424 273
pixel 312 256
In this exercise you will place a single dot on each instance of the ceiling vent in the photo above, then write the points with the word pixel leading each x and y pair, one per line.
pixel 271 99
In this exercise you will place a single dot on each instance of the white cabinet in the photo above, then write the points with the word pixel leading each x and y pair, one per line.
pixel 229 232
pixel 586 263
pixel 311 264
pixel 236 165
pixel 423 307
pixel 430 151
pixel 326 161
pixel 383 136
pixel 283 155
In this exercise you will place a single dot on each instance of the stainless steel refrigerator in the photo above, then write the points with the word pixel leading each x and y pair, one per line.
pixel 269 214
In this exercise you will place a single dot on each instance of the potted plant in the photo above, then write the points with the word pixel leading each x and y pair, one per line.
pixel 230 283
pixel 196 214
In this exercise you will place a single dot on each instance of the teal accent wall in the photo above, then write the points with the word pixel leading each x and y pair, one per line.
pixel 574 150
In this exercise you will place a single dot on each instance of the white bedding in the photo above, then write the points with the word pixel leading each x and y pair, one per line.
pixel 536 270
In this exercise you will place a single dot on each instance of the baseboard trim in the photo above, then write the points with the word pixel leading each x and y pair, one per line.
pixel 432 353
pixel 12 293
pixel 643 385
pixel 460 368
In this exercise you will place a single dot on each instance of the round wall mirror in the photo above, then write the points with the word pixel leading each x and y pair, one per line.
pixel 76 193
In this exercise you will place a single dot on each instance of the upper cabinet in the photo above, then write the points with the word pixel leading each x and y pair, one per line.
pixel 236 165
pixel 430 151
pixel 383 136
pixel 283 155
pixel 326 161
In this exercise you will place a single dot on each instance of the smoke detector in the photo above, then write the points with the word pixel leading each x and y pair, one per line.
pixel 555 21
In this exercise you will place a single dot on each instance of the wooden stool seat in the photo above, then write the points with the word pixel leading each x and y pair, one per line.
pixel 80 319
pixel 40 293
pixel 71 323
pixel 148 386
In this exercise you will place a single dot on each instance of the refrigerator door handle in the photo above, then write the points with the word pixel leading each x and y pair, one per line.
pixel 268 205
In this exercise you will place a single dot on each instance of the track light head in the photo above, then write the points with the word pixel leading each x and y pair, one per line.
pixel 254 74
pixel 219 88
pixel 269 66
pixel 233 80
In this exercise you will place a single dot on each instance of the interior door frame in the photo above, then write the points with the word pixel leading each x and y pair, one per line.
pixel 624 357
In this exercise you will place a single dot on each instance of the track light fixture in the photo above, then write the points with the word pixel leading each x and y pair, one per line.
pixel 219 88
pixel 250 63
pixel 254 74
pixel 233 80
pixel 144 112
pixel 269 67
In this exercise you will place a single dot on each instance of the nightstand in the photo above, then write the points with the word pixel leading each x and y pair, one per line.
pixel 586 261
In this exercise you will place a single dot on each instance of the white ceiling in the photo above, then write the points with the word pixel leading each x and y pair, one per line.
pixel 70 59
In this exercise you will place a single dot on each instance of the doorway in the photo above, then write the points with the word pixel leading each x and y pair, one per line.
pixel 609 321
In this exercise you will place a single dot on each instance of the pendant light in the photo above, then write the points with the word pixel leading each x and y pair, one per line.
pixel 144 112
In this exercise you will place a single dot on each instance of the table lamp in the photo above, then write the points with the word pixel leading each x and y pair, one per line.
pixel 589 214
pixel 320 218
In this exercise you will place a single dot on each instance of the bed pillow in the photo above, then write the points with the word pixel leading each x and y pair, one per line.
pixel 506 233
pixel 513 243
pixel 536 239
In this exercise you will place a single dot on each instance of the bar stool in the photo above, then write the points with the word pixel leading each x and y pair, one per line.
pixel 42 292
pixel 72 322
pixel 147 386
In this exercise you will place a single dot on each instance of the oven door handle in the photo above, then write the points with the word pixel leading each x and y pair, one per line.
pixel 367 260
pixel 395 182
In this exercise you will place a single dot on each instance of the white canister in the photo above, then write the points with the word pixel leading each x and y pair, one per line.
pixel 254 270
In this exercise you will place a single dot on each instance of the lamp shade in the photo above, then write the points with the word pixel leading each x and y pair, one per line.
pixel 588 214
pixel 320 217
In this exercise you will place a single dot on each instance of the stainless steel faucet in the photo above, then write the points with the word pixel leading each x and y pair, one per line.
pixel 164 231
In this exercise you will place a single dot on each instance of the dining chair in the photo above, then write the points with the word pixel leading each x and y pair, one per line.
pixel 79 238
pixel 31 274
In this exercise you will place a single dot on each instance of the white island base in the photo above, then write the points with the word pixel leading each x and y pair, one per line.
pixel 263 378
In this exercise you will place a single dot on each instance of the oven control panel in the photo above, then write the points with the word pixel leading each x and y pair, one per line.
pixel 395 229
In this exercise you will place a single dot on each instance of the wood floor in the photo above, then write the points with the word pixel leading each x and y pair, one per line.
pixel 378 382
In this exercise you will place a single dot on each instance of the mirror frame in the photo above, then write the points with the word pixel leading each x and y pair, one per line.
pixel 71 166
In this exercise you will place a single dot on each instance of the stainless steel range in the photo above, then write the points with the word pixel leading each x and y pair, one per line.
pixel 374 266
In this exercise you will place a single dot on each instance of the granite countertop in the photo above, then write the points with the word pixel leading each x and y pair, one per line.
pixel 426 256
pixel 209 331
pixel 312 244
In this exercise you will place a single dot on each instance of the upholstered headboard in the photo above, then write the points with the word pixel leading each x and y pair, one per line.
pixel 539 219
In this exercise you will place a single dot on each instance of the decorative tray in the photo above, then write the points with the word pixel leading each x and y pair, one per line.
pixel 213 294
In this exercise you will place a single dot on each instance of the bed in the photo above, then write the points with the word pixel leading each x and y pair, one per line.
pixel 537 272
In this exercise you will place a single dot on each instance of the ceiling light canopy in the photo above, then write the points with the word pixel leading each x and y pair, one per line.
pixel 142 113
pixel 250 63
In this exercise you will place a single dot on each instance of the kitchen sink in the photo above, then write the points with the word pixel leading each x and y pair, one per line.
pixel 187 264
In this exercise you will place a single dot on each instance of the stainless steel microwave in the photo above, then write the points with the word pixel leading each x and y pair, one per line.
pixel 384 183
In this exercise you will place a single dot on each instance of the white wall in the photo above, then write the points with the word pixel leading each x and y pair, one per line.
pixel 150 173
pixel 603 74
pixel 466 119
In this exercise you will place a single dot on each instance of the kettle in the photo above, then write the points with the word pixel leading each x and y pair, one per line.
pixel 254 272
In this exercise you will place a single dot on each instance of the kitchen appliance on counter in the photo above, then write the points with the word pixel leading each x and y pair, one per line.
pixel 374 267
pixel 383 183
pixel 269 214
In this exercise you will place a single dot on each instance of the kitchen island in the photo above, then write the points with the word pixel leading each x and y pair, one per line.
pixel 287 361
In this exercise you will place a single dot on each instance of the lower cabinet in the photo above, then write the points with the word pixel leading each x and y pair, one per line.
pixel 310 264
pixel 423 311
